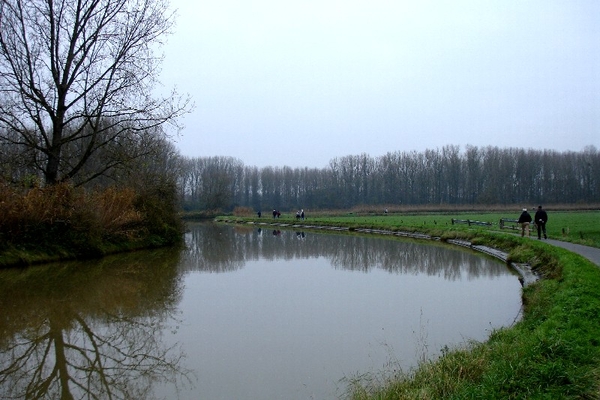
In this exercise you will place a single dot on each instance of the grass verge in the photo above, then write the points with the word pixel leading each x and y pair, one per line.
pixel 552 353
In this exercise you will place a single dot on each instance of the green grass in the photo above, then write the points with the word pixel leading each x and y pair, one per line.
pixel 582 227
pixel 553 353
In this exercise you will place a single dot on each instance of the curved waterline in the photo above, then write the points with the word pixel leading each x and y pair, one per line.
pixel 527 276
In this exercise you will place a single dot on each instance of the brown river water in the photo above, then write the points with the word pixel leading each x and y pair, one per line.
pixel 244 313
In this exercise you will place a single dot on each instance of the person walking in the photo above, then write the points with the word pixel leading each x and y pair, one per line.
pixel 541 217
pixel 524 220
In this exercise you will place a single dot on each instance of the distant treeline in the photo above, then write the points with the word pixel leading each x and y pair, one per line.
pixel 449 175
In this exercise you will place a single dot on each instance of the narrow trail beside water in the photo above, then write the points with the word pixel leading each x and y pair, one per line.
pixel 591 253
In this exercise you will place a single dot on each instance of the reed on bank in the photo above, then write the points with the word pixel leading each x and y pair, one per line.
pixel 62 222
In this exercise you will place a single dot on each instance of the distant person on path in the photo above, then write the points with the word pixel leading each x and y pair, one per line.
pixel 302 214
pixel 541 217
pixel 524 220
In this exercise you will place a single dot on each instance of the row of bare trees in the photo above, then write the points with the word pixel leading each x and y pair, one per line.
pixel 488 175
pixel 78 104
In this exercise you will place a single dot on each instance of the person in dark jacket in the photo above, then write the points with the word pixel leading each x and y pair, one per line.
pixel 541 217
pixel 524 220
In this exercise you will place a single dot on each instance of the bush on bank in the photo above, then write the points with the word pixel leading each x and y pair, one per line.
pixel 60 221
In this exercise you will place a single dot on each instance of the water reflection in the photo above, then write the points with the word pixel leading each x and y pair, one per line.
pixel 218 248
pixel 293 319
pixel 90 331
pixel 287 314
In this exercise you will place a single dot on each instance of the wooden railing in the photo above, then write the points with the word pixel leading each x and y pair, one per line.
pixel 513 221
pixel 470 222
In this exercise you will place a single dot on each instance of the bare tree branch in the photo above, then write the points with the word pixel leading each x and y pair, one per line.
pixel 68 67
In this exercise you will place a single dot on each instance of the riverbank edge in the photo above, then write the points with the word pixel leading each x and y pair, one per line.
pixel 526 275
pixel 552 352
pixel 15 257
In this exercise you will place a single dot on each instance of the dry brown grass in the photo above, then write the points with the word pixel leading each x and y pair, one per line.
pixel 22 209
pixel 115 210
pixel 243 212
pixel 26 213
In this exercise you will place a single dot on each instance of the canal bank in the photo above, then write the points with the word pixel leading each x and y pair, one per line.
pixel 527 275
pixel 591 253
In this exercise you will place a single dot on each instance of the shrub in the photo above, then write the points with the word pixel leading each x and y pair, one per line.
pixel 61 219
pixel 115 211
pixel 157 203
pixel 243 212
pixel 31 215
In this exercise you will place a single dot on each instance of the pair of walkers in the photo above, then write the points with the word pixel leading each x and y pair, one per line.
pixel 540 219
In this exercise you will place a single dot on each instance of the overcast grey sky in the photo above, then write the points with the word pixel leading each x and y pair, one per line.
pixel 298 83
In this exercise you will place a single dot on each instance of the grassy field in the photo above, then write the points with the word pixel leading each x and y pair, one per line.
pixel 582 227
pixel 552 353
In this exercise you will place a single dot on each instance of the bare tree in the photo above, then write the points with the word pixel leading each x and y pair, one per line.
pixel 93 333
pixel 79 74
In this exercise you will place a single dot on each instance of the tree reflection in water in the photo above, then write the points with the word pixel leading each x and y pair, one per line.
pixel 309 309
pixel 95 330
pixel 90 331
pixel 219 248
